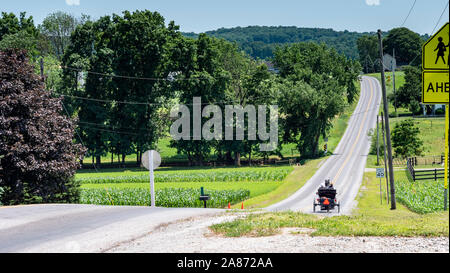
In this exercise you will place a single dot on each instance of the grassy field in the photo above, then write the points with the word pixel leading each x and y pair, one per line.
pixel 431 133
pixel 370 219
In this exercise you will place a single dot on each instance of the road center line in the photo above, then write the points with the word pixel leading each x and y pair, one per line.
pixel 357 138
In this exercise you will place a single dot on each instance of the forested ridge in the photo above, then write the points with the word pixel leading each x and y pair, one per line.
pixel 261 41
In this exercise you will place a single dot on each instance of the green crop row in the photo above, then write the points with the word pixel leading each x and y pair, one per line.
pixel 421 196
pixel 167 197
pixel 230 176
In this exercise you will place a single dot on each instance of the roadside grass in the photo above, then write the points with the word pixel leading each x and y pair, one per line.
pixel 340 124
pixel 371 218
pixel 293 182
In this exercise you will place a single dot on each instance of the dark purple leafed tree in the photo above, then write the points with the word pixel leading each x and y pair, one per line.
pixel 38 157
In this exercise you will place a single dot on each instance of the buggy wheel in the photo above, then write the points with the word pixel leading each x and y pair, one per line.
pixel 339 207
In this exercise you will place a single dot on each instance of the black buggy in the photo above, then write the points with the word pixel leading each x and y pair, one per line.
pixel 326 198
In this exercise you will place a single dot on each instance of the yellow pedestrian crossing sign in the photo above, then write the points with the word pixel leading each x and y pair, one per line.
pixel 435 64
pixel 436 51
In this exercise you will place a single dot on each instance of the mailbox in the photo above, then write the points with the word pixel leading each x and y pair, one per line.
pixel 204 197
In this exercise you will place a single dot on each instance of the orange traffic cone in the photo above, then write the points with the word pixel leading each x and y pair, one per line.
pixel 242 206
pixel 229 206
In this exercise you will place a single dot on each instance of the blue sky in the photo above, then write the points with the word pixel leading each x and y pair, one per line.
pixel 204 15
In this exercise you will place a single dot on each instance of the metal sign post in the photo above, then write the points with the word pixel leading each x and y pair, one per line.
pixel 380 174
pixel 152 179
pixel 151 160
pixel 446 155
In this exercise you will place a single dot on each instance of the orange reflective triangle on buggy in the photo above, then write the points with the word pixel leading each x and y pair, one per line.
pixel 326 202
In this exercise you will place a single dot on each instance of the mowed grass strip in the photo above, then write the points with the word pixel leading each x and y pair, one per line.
pixel 370 219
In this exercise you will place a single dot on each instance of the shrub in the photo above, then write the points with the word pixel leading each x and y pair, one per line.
pixel 405 139
pixel 37 155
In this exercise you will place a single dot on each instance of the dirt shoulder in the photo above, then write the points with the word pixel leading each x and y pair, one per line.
pixel 194 236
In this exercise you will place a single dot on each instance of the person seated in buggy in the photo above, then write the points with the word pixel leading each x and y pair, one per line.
pixel 327 197
pixel 327 191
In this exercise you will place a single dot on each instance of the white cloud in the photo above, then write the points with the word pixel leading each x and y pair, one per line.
pixel 73 2
pixel 373 2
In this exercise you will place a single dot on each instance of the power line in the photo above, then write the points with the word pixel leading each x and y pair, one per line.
pixel 79 137
pixel 114 128
pixel 440 17
pixel 117 76
pixel 432 33
pixel 137 103
pixel 409 13
pixel 110 131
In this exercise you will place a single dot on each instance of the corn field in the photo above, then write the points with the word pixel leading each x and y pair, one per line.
pixel 421 196
pixel 168 197
pixel 229 176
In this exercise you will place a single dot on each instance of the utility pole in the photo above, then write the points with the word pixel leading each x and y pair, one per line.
pixel 378 143
pixel 42 69
pixel 385 159
pixel 386 120
pixel 394 66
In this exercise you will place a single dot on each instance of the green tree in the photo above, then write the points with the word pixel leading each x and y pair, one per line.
pixel 10 24
pixel 410 94
pixel 205 79
pixel 368 53
pixel 407 45
pixel 20 33
pixel 405 139
pixel 142 46
pixel 314 90
pixel 58 27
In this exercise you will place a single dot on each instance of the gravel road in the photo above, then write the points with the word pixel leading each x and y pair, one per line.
pixel 193 236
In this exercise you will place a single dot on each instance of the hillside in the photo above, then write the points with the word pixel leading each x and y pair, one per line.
pixel 260 41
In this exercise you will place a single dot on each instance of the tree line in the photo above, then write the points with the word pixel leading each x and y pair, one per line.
pixel 120 75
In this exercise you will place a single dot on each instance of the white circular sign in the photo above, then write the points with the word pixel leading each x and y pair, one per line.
pixel 156 159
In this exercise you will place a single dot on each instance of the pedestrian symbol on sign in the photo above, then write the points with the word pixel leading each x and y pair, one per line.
pixel 441 49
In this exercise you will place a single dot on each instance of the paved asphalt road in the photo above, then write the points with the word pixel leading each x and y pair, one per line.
pixel 81 228
pixel 86 228
pixel 346 166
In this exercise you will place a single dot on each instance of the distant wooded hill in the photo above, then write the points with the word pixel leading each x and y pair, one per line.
pixel 260 41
